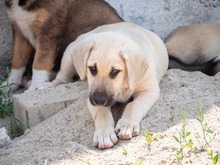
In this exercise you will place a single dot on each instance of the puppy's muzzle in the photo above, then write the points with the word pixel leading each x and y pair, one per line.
pixel 101 99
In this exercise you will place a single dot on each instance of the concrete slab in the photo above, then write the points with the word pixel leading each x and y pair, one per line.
pixel 35 107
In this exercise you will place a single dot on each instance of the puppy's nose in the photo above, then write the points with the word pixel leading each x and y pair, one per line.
pixel 100 99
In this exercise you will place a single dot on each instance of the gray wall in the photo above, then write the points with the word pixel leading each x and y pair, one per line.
pixel 5 39
pixel 161 16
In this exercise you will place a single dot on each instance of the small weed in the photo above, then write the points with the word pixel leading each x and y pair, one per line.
pixel 85 161
pixel 171 119
pixel 5 97
pixel 6 107
pixel 138 163
pixel 208 135
pixel 124 151
pixel 149 138
pixel 214 157
pixel 15 128
pixel 183 140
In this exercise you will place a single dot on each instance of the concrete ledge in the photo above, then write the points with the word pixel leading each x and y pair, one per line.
pixel 35 107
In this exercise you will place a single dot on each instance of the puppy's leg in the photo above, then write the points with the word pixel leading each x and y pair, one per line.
pixel 66 72
pixel 21 54
pixel 104 136
pixel 129 125
pixel 46 53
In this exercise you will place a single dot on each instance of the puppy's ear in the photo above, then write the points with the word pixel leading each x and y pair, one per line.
pixel 135 63
pixel 80 51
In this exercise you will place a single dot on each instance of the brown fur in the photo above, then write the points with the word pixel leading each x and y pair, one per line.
pixel 21 47
pixel 57 23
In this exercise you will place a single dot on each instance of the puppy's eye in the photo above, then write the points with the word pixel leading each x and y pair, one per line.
pixel 93 70
pixel 114 73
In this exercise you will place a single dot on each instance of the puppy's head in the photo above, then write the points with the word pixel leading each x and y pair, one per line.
pixel 112 67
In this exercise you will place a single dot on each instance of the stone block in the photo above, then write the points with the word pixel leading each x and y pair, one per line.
pixel 35 107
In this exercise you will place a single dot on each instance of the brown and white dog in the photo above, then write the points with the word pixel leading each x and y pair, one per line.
pixel 120 61
pixel 47 27
pixel 195 48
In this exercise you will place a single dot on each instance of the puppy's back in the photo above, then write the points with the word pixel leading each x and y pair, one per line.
pixel 196 43
pixel 195 48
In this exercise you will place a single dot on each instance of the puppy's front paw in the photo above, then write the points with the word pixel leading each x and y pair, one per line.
pixel 105 138
pixel 126 129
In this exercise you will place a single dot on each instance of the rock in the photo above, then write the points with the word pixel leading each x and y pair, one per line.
pixel 4 138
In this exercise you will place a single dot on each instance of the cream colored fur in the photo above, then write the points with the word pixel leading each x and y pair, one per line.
pixel 142 60
pixel 195 44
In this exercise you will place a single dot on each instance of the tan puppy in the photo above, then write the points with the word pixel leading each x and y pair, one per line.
pixel 120 61
pixel 195 48
pixel 45 28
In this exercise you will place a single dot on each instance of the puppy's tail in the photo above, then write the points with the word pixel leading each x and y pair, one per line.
pixel 207 67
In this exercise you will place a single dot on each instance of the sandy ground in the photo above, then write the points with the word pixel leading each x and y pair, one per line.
pixel 66 138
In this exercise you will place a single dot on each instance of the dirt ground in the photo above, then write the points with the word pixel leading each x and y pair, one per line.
pixel 66 137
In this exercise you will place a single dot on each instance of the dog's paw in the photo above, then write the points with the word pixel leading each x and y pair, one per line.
pixel 105 138
pixel 126 129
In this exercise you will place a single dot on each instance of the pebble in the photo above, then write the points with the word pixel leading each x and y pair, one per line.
pixel 4 138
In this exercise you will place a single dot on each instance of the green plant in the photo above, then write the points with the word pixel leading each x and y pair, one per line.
pixel 138 163
pixel 6 106
pixel 85 161
pixel 149 137
pixel 5 96
pixel 208 135
pixel 124 151
pixel 183 140
pixel 15 128
pixel 171 119
pixel 214 157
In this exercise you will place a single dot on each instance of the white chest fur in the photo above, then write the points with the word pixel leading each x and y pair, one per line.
pixel 23 19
